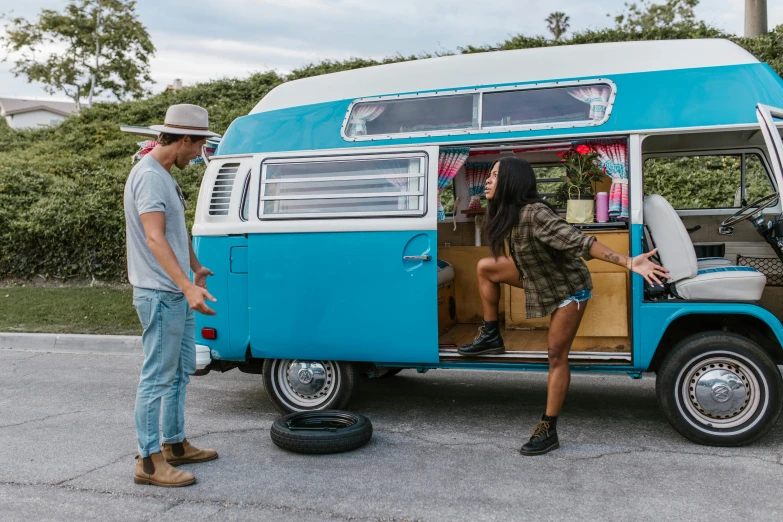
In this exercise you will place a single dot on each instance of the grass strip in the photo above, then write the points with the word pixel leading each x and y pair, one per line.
pixel 76 310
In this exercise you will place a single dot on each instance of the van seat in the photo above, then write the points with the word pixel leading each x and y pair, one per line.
pixel 445 273
pixel 712 262
pixel 692 281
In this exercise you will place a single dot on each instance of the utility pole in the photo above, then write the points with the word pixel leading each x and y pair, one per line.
pixel 98 53
pixel 755 18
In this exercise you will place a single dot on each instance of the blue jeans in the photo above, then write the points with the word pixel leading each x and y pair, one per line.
pixel 169 341
pixel 580 297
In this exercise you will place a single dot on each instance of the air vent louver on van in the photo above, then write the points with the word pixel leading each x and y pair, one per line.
pixel 221 192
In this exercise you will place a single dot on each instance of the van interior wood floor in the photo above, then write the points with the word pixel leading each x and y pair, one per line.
pixel 532 340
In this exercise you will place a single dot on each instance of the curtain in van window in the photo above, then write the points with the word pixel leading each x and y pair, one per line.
pixel 450 160
pixel 476 175
pixel 614 160
pixel 145 147
pixel 597 96
pixel 360 115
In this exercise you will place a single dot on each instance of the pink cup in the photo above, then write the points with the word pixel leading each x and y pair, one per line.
pixel 602 207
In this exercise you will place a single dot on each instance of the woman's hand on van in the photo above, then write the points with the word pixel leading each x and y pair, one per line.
pixel 200 276
pixel 651 272
pixel 197 299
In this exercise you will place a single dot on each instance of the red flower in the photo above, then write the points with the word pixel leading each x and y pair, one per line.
pixel 561 153
pixel 583 149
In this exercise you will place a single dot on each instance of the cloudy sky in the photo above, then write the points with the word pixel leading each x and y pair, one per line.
pixel 198 40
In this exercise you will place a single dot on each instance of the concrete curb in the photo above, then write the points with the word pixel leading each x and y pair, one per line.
pixel 72 343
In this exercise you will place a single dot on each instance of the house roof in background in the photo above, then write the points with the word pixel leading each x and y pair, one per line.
pixel 11 106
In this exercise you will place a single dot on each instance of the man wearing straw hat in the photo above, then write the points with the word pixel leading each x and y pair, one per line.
pixel 160 258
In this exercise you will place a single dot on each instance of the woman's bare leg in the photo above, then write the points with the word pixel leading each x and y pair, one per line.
pixel 491 273
pixel 562 331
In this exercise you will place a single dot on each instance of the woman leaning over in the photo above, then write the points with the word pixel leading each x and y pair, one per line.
pixel 544 259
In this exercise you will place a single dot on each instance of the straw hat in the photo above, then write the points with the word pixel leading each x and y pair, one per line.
pixel 185 119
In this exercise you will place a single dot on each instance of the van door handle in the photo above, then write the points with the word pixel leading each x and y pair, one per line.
pixel 417 258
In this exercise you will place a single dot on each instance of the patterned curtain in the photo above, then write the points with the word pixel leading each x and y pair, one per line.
pixel 450 160
pixel 145 147
pixel 361 114
pixel 614 159
pixel 476 175
pixel 596 96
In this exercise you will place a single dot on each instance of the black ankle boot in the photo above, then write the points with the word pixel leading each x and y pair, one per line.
pixel 487 342
pixel 544 439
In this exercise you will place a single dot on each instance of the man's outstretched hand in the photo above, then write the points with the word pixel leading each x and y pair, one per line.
pixel 197 297
pixel 200 276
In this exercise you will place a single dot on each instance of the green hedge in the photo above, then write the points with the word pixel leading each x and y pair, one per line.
pixel 61 188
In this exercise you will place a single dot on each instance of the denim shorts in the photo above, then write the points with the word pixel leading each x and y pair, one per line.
pixel 579 297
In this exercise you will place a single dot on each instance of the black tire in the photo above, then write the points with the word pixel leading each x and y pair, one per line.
pixel 284 386
pixel 348 431
pixel 720 389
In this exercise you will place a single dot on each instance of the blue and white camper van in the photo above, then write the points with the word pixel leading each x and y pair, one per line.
pixel 320 215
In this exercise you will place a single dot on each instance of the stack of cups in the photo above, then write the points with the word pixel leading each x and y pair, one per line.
pixel 602 207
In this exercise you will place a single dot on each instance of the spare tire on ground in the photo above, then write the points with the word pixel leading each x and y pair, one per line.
pixel 318 432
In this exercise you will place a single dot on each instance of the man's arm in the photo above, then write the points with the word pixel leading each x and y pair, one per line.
pixel 154 224
pixel 200 272
pixel 194 262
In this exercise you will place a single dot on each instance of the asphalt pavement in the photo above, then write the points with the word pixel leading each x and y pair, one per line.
pixel 445 447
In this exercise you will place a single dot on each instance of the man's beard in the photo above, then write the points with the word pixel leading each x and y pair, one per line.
pixel 181 163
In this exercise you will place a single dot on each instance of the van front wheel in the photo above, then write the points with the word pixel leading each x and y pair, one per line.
pixel 720 389
pixel 298 385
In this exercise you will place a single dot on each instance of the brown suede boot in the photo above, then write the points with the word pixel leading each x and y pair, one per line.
pixel 157 472
pixel 186 453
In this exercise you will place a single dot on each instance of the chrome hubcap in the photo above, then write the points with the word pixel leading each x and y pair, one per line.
pixel 306 385
pixel 307 378
pixel 721 392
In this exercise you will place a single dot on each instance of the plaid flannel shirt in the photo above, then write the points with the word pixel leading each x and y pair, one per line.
pixel 546 285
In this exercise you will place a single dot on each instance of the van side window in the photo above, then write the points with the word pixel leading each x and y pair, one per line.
pixel 429 113
pixel 448 197
pixel 535 106
pixel 381 185
pixel 544 106
pixel 757 183
pixel 549 181
pixel 713 181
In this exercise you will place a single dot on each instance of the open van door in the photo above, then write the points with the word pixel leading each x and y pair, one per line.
pixel 343 256
pixel 769 129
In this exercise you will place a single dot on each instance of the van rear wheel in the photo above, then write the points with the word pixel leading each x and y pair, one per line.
pixel 299 385
pixel 720 389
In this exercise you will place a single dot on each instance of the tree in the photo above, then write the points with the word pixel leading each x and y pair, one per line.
pixel 558 24
pixel 645 16
pixel 105 48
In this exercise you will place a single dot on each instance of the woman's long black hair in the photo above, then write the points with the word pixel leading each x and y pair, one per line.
pixel 515 187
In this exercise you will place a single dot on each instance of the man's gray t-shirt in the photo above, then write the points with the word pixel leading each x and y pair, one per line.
pixel 151 189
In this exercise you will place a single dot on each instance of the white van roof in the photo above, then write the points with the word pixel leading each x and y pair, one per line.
pixel 505 67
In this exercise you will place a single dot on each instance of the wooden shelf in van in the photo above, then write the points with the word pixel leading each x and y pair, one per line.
pixel 479 212
pixel 607 312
